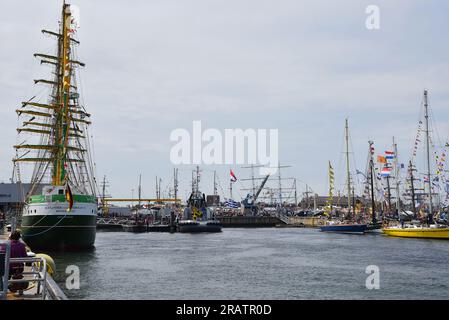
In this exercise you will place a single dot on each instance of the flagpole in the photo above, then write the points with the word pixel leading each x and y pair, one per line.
pixel 230 189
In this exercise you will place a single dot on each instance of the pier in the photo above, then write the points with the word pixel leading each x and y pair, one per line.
pixel 308 222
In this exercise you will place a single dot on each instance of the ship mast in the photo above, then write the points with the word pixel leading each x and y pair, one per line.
pixel 60 125
pixel 426 115
pixel 348 177
pixel 371 169
pixel 412 186
pixel 396 176
pixel 63 117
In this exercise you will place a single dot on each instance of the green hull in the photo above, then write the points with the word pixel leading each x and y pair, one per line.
pixel 59 232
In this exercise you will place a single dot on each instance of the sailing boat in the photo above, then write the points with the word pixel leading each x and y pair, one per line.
pixel 431 230
pixel 348 226
pixel 63 214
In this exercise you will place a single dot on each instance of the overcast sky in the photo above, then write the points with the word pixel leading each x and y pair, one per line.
pixel 300 67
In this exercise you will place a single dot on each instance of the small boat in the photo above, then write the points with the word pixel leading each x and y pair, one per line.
pixel 413 231
pixel 374 227
pixel 135 227
pixel 193 226
pixel 345 228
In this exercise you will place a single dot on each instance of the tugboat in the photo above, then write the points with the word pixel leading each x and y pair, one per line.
pixel 197 217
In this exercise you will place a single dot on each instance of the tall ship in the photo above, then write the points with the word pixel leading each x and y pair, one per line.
pixel 60 208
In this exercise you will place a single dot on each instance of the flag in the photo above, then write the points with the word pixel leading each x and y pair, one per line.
pixel 389 154
pixel 386 172
pixel 233 177
pixel 69 197
pixel 229 203
pixel 381 159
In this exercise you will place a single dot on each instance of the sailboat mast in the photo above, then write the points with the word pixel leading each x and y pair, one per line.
pixel 296 194
pixel 396 176
pixel 140 189
pixel 388 194
pixel 215 183
pixel 412 185
pixel 371 170
pixel 348 177
pixel 426 107
pixel 175 182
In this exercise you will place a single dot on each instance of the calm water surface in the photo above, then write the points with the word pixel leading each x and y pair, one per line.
pixel 272 263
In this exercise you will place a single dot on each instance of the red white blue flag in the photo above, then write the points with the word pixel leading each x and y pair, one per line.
pixel 386 172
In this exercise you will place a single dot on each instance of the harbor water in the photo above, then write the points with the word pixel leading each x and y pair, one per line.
pixel 287 263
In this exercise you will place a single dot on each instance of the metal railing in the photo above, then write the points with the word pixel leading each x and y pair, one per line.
pixel 114 221
pixel 37 273
pixel 284 218
pixel 5 250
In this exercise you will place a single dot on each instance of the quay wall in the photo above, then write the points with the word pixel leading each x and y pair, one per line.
pixel 248 221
